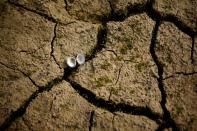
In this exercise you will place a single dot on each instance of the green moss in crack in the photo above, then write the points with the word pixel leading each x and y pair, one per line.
pixel 123 50
pixel 102 81
pixel 132 92
pixel 141 66
pixel 127 45
pixel 128 41
pixel 105 79
pixel 169 58
pixel 118 58
pixel 178 109
pixel 30 72
pixel 115 91
pixel 105 65
pixel 99 83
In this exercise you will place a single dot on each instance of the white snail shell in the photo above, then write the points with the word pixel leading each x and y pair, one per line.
pixel 71 62
pixel 80 59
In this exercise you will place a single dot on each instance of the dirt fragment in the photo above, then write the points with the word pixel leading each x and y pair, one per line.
pixel 51 9
pixel 119 121
pixel 26 44
pixel 185 10
pixel 15 89
pixel 181 100
pixel 89 10
pixel 173 49
pixel 73 39
pixel 136 83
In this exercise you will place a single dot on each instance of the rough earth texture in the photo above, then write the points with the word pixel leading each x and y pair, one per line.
pixel 140 70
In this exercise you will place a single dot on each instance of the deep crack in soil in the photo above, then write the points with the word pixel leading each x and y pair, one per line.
pixel 192 50
pixel 121 16
pixel 99 102
pixel 37 12
pixel 112 106
pixel 33 82
pixel 101 40
pixel 86 94
pixel 21 111
pixel 52 45
pixel 156 15
pixel 168 121
pixel 91 121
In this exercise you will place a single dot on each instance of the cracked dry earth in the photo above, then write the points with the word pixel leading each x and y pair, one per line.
pixel 140 71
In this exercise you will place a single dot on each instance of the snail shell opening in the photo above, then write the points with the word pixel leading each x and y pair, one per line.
pixel 71 62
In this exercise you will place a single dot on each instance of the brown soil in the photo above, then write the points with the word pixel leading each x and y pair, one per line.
pixel 140 70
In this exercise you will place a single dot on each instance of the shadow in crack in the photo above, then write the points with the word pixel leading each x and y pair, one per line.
pixel 112 106
pixel 168 121
pixel 21 111
pixel 101 40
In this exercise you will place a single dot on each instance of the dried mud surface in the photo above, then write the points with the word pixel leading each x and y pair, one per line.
pixel 140 71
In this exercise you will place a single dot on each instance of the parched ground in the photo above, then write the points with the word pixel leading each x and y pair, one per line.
pixel 140 71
